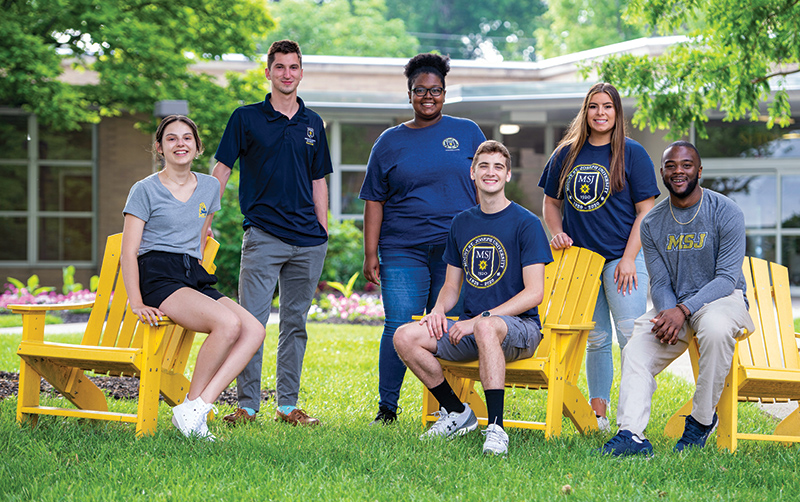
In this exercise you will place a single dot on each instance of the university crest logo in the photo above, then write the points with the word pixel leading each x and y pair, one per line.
pixel 203 210
pixel 484 261
pixel 587 187
pixel 450 144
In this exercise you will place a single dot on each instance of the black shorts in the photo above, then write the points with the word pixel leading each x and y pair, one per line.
pixel 162 273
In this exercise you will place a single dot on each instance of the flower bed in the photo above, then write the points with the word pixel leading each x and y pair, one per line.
pixel 12 295
pixel 358 309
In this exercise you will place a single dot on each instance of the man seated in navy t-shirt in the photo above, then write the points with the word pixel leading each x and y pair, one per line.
pixel 500 248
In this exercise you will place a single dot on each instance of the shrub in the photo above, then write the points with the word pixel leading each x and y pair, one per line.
pixel 345 253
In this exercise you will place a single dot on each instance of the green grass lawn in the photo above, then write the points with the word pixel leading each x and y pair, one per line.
pixel 72 459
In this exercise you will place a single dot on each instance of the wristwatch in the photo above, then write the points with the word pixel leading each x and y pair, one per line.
pixel 486 313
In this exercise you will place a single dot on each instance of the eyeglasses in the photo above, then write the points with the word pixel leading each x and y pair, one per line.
pixel 421 91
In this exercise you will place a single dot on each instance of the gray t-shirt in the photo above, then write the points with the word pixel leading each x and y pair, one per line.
pixel 699 262
pixel 172 225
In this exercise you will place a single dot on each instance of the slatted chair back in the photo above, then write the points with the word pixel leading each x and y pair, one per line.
pixel 571 285
pixel 773 344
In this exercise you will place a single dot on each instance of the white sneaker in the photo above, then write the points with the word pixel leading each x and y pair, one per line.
pixel 453 424
pixel 496 440
pixel 190 418
pixel 202 429
pixel 603 424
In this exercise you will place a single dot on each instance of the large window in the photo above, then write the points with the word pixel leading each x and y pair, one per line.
pixel 766 192
pixel 350 145
pixel 47 207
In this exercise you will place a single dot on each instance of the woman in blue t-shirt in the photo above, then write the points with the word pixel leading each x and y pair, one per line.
pixel 417 180
pixel 609 183
pixel 167 217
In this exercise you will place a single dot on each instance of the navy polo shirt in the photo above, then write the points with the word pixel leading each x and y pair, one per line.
pixel 278 160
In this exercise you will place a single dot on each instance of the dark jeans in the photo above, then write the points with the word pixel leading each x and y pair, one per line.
pixel 410 282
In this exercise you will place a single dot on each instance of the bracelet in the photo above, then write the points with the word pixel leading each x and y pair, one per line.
pixel 683 308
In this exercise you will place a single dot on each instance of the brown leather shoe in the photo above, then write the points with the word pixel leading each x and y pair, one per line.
pixel 297 416
pixel 239 417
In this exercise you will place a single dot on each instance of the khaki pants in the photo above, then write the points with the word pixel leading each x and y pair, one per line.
pixel 716 326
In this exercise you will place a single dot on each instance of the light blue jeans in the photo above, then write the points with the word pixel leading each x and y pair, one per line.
pixel 625 309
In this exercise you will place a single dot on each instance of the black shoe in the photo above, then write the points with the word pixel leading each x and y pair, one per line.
pixel 695 433
pixel 385 416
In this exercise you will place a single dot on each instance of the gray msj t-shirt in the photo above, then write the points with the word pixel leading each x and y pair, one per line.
pixel 171 225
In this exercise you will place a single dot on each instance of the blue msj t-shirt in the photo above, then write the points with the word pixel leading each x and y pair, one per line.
pixel 492 250
pixel 595 217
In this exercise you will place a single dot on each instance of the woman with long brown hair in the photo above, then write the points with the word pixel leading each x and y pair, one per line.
pixel 609 183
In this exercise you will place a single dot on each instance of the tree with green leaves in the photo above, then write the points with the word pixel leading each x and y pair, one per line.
pixel 140 50
pixel 472 29
pixel 341 28
pixel 735 61
pixel 578 25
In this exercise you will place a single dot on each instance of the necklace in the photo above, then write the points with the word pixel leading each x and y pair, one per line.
pixel 695 214
pixel 172 180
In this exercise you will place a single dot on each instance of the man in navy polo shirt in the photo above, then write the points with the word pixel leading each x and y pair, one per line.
pixel 283 159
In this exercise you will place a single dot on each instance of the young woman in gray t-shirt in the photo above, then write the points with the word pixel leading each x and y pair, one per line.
pixel 167 217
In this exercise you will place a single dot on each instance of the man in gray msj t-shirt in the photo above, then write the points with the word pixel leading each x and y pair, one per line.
pixel 694 245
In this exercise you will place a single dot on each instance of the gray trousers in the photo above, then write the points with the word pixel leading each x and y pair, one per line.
pixel 267 261
pixel 716 326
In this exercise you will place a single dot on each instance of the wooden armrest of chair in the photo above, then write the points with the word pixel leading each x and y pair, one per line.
pixel 32 309
pixel 569 327
pixel 165 321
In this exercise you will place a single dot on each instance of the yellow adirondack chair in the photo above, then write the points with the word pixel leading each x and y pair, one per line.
pixel 571 285
pixel 118 345
pixel 766 366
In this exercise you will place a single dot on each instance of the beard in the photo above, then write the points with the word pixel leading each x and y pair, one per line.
pixel 691 184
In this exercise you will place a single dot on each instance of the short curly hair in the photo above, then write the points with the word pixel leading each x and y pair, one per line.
pixel 427 63
pixel 284 47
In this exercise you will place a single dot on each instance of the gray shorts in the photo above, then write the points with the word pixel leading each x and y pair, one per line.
pixel 520 342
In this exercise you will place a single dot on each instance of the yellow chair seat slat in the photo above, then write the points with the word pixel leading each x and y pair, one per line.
pixel 571 285
pixel 766 366
pixel 114 343
pixel 71 412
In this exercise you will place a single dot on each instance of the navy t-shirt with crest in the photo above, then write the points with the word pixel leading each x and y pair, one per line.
pixel 595 217
pixel 492 250
pixel 279 158
pixel 423 177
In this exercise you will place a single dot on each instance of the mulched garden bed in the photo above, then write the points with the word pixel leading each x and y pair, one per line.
pixel 116 387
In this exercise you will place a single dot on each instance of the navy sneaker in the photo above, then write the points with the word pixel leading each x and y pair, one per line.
pixel 695 434
pixel 626 443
